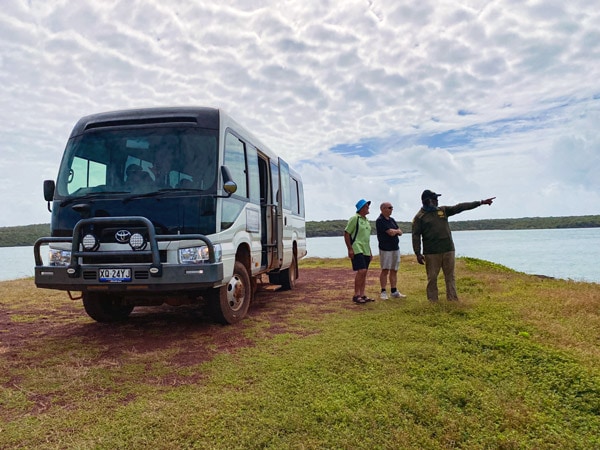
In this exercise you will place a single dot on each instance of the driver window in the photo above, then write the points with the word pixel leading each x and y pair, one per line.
pixel 86 174
pixel 235 160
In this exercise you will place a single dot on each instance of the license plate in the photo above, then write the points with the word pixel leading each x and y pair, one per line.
pixel 114 275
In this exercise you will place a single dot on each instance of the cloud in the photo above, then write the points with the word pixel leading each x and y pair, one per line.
pixel 573 158
pixel 366 98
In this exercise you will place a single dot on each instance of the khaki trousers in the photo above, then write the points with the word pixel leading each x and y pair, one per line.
pixel 433 264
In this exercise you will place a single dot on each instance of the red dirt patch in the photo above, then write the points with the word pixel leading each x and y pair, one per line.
pixel 188 330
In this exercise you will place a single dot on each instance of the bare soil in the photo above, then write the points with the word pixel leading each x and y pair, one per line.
pixel 50 317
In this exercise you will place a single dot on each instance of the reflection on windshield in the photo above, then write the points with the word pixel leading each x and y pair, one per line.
pixel 139 161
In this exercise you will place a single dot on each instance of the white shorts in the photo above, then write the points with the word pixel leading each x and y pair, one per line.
pixel 389 260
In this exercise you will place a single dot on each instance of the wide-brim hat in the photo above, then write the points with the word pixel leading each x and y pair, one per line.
pixel 362 202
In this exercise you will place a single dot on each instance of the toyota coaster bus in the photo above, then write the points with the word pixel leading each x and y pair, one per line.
pixel 170 205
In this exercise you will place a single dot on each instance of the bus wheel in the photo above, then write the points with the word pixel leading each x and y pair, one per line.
pixel 104 308
pixel 288 277
pixel 230 302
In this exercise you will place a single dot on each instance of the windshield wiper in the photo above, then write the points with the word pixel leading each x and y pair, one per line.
pixel 161 193
pixel 93 195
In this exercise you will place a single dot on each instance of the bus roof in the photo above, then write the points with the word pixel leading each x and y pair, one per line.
pixel 204 117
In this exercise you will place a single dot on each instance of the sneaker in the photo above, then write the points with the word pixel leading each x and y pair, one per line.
pixel 398 294
pixel 383 295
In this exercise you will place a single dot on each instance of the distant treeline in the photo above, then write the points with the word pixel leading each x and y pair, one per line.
pixel 336 227
pixel 26 235
pixel 22 235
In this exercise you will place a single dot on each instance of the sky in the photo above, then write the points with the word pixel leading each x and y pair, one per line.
pixel 371 99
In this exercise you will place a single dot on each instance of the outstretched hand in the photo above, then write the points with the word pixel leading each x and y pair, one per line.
pixel 487 201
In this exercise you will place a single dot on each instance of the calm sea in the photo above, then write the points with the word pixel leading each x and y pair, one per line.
pixel 567 253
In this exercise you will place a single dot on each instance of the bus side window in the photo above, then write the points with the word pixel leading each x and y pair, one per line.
pixel 285 184
pixel 235 160
pixel 275 184
pixel 253 175
pixel 295 201
pixel 300 198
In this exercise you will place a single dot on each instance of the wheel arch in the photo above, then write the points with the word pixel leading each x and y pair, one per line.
pixel 244 255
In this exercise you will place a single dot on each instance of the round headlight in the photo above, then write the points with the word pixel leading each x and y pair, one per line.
pixel 137 241
pixel 90 243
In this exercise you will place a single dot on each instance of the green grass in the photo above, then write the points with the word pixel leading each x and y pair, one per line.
pixel 514 365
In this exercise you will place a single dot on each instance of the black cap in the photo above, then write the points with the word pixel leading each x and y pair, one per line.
pixel 429 194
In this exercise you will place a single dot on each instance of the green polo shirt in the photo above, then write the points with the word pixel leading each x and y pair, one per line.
pixel 362 243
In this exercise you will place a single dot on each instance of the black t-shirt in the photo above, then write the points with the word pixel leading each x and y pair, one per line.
pixel 387 242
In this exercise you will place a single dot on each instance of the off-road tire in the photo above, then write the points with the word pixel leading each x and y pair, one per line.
pixel 105 308
pixel 229 303
pixel 287 277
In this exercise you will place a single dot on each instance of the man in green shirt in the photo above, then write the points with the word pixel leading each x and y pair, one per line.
pixel 431 226
pixel 357 236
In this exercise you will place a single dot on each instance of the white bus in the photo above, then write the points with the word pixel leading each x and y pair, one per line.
pixel 170 205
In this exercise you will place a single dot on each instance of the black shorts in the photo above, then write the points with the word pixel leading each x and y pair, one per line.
pixel 361 261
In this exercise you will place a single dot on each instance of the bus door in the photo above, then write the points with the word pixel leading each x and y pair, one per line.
pixel 269 182
pixel 284 222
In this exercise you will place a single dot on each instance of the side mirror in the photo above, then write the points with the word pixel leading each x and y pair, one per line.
pixel 229 185
pixel 49 187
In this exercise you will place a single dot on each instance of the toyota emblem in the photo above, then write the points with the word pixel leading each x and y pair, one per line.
pixel 122 236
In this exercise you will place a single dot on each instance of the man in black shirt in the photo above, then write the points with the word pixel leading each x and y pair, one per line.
pixel 389 250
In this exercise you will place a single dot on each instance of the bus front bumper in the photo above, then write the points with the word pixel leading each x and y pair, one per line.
pixel 131 277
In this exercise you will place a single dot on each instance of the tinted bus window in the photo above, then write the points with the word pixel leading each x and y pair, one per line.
pixel 128 160
pixel 275 185
pixel 294 197
pixel 235 160
pixel 285 184
pixel 253 176
pixel 301 199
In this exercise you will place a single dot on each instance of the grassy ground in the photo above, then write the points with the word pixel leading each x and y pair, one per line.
pixel 514 365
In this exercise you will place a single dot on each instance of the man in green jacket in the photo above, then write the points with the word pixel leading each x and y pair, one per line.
pixel 431 226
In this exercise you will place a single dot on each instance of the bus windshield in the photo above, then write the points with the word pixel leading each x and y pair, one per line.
pixel 139 161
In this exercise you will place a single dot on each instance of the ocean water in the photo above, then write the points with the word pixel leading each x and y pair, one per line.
pixel 560 253
pixel 16 262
